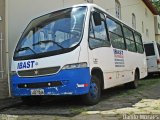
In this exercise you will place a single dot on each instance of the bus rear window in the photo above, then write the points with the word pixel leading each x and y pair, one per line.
pixel 149 49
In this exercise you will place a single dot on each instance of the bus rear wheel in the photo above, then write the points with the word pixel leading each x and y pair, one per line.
pixel 93 97
pixel 133 84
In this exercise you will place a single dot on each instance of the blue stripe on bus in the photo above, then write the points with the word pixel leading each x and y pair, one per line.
pixel 69 78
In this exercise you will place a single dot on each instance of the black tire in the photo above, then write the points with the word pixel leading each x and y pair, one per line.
pixel 31 100
pixel 133 84
pixel 93 97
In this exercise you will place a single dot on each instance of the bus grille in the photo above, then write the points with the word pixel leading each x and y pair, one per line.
pixel 38 72
pixel 40 85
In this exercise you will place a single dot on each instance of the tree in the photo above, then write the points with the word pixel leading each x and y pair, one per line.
pixel 156 3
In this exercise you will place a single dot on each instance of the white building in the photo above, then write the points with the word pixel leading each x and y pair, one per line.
pixel 140 14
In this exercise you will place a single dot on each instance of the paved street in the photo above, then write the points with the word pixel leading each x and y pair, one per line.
pixel 115 104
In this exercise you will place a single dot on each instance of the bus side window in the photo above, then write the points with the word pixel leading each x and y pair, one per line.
pixel 139 43
pixel 29 40
pixel 130 42
pixel 97 18
pixel 97 34
pixel 115 34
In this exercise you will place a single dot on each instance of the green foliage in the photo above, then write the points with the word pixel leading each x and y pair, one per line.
pixel 157 4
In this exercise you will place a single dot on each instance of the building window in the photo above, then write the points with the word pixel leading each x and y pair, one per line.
pixel 147 32
pixel 142 27
pixel 118 9
pixel 133 21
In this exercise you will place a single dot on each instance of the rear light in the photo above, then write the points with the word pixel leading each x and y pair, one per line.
pixel 158 61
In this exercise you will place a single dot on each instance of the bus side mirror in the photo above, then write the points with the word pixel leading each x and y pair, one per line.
pixel 97 18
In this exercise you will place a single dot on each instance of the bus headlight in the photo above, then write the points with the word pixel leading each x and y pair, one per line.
pixel 76 65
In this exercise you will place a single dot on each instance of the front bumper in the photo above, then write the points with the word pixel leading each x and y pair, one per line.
pixel 72 83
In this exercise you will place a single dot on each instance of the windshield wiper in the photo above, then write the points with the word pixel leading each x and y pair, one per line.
pixel 48 41
pixel 25 48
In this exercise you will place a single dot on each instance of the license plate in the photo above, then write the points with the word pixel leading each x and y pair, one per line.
pixel 37 92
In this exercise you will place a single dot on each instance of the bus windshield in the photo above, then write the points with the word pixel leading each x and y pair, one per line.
pixel 54 33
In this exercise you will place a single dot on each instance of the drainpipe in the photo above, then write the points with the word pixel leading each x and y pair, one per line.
pixel 7 49
pixel 1 41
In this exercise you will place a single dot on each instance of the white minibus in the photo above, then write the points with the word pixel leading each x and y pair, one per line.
pixel 79 50
pixel 152 49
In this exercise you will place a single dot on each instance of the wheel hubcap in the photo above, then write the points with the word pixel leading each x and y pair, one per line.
pixel 136 80
pixel 93 90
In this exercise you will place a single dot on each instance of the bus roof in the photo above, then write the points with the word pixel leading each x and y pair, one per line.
pixel 149 41
pixel 91 5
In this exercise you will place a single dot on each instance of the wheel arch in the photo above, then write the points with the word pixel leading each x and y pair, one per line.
pixel 137 71
pixel 98 73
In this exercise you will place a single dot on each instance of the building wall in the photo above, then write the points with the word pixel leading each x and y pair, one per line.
pixel 3 70
pixel 127 8
pixel 157 28
pixel 19 16
pixel 108 5
pixel 157 24
pixel 158 38
pixel 139 8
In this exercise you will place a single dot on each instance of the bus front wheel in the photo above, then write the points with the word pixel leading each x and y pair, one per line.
pixel 93 97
